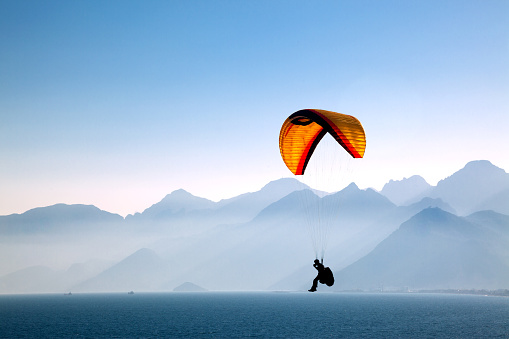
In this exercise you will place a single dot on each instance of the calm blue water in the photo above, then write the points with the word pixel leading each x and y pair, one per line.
pixel 263 314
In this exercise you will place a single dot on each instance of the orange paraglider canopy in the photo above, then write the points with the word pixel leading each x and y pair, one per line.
pixel 302 131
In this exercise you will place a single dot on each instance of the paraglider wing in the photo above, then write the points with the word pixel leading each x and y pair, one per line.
pixel 302 131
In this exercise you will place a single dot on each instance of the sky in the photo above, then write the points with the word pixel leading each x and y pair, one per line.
pixel 118 103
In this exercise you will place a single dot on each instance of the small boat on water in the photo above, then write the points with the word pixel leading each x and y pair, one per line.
pixel 68 293
pixel 130 292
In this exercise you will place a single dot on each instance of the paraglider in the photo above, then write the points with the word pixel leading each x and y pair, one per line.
pixel 304 129
pixel 300 135
pixel 324 276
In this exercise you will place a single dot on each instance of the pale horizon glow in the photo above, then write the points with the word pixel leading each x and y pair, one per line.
pixel 117 104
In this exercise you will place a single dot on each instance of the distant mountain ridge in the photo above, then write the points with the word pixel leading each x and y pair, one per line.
pixel 55 218
pixel 142 270
pixel 401 192
pixel 260 240
pixel 176 201
pixel 474 185
pixel 435 249
pixel 189 287
pixel 183 208
pixel 479 185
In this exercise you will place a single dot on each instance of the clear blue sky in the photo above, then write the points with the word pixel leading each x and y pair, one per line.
pixel 117 103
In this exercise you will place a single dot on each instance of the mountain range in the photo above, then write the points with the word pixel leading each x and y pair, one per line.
pixel 435 250
pixel 410 235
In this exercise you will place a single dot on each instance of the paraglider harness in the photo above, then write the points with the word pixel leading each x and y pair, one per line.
pixel 325 276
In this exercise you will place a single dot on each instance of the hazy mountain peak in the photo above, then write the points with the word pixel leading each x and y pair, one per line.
pixel 433 249
pixel 481 164
pixel 142 270
pixel 59 217
pixel 469 187
pixel 427 202
pixel 476 169
pixel 352 190
pixel 75 210
pixel 292 201
pixel 352 187
pixel 428 218
pixel 179 193
pixel 433 212
pixel 246 206
pixel 401 191
pixel 436 220
pixel 492 217
pixel 287 183
pixel 282 187
pixel 189 287
pixel 499 202
pixel 144 251
pixel 178 200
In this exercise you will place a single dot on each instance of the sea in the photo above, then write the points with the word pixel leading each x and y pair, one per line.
pixel 254 315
